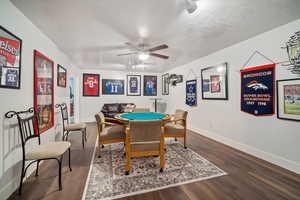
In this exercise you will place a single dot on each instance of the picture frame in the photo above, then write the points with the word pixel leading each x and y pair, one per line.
pixel 44 90
pixel 214 81
pixel 134 85
pixel 150 85
pixel 90 85
pixel 191 92
pixel 61 76
pixel 288 99
pixel 165 84
pixel 10 59
pixel 112 87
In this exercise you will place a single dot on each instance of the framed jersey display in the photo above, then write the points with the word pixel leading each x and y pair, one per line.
pixel 90 85
pixel 112 87
pixel 61 76
pixel 10 59
pixel 150 85
pixel 43 90
pixel 191 93
pixel 133 85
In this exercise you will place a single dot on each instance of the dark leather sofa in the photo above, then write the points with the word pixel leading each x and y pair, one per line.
pixel 111 109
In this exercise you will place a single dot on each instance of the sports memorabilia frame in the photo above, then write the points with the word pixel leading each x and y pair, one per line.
pixel 288 99
pixel 90 85
pixel 134 85
pixel 150 85
pixel 165 84
pixel 44 90
pixel 10 59
pixel 112 87
pixel 61 76
pixel 215 82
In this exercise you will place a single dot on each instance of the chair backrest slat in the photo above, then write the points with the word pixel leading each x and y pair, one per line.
pixel 145 130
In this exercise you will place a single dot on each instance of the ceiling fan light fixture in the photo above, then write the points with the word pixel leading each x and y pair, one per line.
pixel 143 56
pixel 191 6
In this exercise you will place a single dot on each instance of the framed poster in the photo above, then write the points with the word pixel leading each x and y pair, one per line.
pixel 257 90
pixel 90 85
pixel 133 85
pixel 165 84
pixel 61 76
pixel 10 60
pixel 215 82
pixel 150 85
pixel 72 85
pixel 288 99
pixel 112 87
pixel 43 90
pixel 191 93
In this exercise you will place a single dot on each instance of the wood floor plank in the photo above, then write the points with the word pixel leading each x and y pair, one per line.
pixel 249 178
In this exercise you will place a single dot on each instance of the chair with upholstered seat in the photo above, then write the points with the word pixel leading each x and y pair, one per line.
pixel 68 128
pixel 108 132
pixel 176 127
pixel 135 110
pixel 144 138
pixel 29 129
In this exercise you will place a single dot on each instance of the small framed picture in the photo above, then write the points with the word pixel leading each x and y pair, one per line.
pixel 150 85
pixel 10 60
pixel 112 87
pixel 165 84
pixel 61 76
pixel 214 82
pixel 133 85
pixel 90 85
pixel 288 99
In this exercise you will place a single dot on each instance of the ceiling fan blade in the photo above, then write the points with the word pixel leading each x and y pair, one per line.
pixel 132 46
pixel 159 55
pixel 126 54
pixel 163 46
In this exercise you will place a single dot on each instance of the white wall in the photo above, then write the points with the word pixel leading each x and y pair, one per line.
pixel 10 152
pixel 89 106
pixel 267 137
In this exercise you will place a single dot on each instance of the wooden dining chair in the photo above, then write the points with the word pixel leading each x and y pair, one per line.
pixel 135 110
pixel 67 127
pixel 176 127
pixel 29 130
pixel 144 138
pixel 108 132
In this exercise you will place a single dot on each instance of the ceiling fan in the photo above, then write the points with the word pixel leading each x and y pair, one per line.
pixel 144 52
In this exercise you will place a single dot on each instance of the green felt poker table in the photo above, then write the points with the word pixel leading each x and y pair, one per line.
pixel 142 116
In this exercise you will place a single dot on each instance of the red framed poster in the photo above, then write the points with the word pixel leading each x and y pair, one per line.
pixel 43 90
pixel 90 85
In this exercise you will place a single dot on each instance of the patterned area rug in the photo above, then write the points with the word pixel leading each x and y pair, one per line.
pixel 108 181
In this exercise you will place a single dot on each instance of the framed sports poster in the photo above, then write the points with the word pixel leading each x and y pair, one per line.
pixel 150 85
pixel 191 93
pixel 90 85
pixel 43 90
pixel 10 60
pixel 288 99
pixel 215 82
pixel 61 76
pixel 257 90
pixel 112 87
pixel 165 84
pixel 133 85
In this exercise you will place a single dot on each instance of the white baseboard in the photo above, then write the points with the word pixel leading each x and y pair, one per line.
pixel 277 160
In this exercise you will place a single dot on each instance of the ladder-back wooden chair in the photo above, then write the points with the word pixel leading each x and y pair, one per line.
pixel 67 127
pixel 108 132
pixel 29 129
pixel 144 138
pixel 176 127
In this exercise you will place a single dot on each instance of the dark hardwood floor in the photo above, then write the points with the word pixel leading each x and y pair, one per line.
pixel 248 177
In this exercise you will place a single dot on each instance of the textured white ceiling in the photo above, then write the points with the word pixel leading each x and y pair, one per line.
pixel 93 32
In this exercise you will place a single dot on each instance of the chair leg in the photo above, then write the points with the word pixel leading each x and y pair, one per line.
pixel 176 140
pixel 85 134
pixel 128 161
pixel 82 134
pixel 37 168
pixel 70 159
pixel 99 149
pixel 184 141
pixel 59 172
pixel 22 176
